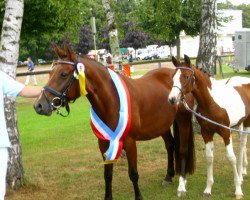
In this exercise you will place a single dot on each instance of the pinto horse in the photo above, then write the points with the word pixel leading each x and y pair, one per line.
pixel 226 104
pixel 151 114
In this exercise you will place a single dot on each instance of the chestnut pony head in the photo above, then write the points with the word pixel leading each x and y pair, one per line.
pixel 183 80
pixel 62 86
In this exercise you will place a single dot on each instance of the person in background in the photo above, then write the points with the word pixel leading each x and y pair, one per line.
pixel 31 68
pixel 109 59
pixel 130 62
pixel 9 87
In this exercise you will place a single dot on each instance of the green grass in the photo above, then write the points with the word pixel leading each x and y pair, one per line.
pixel 228 72
pixel 62 161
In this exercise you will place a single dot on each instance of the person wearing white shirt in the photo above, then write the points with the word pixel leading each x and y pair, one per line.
pixel 9 87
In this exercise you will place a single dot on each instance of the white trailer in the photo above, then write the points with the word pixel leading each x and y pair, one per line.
pixel 242 49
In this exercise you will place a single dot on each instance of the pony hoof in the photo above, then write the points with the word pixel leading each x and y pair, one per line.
pixel 181 194
pixel 238 197
pixel 206 195
pixel 166 183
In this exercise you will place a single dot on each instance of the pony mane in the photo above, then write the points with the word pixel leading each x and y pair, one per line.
pixel 204 73
pixel 90 59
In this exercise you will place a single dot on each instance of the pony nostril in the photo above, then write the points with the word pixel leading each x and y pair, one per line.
pixel 172 100
pixel 38 107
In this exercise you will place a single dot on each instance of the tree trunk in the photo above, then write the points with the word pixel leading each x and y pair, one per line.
pixel 113 34
pixel 9 52
pixel 178 47
pixel 208 38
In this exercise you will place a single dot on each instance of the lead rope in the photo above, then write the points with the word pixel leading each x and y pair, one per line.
pixel 211 121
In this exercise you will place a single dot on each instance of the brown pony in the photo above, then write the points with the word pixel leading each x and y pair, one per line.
pixel 225 104
pixel 151 113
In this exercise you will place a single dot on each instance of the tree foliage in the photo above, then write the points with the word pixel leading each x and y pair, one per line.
pixel 167 18
pixel 245 11
pixel 85 43
pixel 134 37
pixel 47 21
pixel 52 21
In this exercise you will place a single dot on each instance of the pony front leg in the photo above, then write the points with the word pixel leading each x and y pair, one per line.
pixel 243 152
pixel 245 162
pixel 169 145
pixel 108 175
pixel 210 160
pixel 181 190
pixel 108 170
pixel 131 152
pixel 232 158
pixel 242 165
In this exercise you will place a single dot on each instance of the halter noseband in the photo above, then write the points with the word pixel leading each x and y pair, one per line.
pixel 60 98
pixel 185 85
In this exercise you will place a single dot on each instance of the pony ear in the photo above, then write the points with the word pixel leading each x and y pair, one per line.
pixel 187 60
pixel 70 53
pixel 175 61
pixel 61 53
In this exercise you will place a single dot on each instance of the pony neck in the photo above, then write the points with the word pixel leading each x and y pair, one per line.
pixel 102 94
pixel 201 89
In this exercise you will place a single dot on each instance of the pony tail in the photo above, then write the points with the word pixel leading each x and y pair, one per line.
pixel 190 167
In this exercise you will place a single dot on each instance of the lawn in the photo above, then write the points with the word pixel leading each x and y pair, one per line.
pixel 62 162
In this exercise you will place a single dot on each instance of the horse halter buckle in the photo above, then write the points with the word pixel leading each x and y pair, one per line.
pixel 56 103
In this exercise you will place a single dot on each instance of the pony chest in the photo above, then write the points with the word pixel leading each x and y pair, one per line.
pixel 229 99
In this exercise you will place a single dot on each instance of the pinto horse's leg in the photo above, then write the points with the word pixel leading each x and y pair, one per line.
pixel 108 171
pixel 210 161
pixel 232 158
pixel 242 155
pixel 209 148
pixel 169 145
pixel 242 166
pixel 245 162
pixel 131 152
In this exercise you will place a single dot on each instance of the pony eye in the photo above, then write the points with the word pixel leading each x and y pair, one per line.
pixel 186 77
pixel 63 74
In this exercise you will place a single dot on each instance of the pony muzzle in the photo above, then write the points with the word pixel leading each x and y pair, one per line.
pixel 175 95
pixel 172 100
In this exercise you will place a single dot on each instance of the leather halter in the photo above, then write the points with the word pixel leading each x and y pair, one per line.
pixel 60 99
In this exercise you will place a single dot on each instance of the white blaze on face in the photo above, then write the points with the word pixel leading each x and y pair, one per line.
pixel 175 92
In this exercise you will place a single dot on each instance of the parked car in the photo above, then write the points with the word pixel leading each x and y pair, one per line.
pixel 40 61
pixel 151 57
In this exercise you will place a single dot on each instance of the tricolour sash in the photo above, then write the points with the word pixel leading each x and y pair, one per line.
pixel 103 132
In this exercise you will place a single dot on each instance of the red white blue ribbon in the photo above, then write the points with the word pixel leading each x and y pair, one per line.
pixel 103 132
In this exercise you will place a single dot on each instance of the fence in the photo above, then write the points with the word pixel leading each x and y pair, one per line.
pixel 158 63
